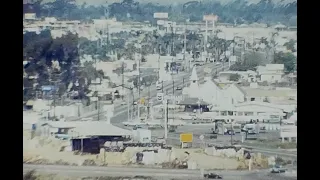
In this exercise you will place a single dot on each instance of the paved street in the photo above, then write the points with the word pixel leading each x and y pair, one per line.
pixel 120 114
pixel 96 171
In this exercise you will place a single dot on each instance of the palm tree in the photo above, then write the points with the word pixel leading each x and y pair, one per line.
pixel 273 43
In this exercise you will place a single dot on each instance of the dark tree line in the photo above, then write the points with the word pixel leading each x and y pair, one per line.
pixel 235 12
pixel 40 50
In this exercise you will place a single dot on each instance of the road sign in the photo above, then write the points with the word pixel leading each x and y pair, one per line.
pixel 160 15
pixel 186 138
pixel 201 137
pixel 142 100
pixel 160 97
pixel 210 17
pixel 207 70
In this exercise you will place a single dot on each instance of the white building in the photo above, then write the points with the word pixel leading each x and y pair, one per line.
pixel 288 132
pixel 193 90
pixel 263 112
pixel 268 95
pixel 236 93
pixel 271 73
pixel 211 91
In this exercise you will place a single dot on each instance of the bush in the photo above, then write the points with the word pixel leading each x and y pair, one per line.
pixel 234 77
pixel 30 175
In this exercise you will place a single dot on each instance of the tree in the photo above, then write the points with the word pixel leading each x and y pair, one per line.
pixel 288 59
pixel 234 77
pixel 290 45
pixel 264 11
pixel 252 60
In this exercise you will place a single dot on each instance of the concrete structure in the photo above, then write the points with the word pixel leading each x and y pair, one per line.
pixel 271 73
pixel 288 132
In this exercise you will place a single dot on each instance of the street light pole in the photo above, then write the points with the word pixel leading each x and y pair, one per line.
pixel 166 120
pixel 162 86
pixel 139 84
pixel 231 134
pixel 173 87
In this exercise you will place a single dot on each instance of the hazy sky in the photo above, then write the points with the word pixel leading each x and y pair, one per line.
pixel 98 2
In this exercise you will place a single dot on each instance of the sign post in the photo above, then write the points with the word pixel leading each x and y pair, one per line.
pixel 201 137
pixel 186 138
pixel 160 97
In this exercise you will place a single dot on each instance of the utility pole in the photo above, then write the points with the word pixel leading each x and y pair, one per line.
pixel 165 102
pixel 132 110
pixel 122 71
pixel 109 35
pixel 128 105
pixel 231 134
pixel 234 45
pixel 54 103
pixel 148 107
pixel 139 86
pixel 173 87
pixel 98 102
pixel 185 43
pixel 159 62
pixel 172 41
pixel 162 86
pixel 206 36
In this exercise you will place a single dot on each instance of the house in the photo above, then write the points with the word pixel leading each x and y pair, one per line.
pixel 194 104
pixel 193 90
pixel 77 129
pixel 249 76
pixel 211 91
pixel 55 128
pixel 267 95
pixel 271 73
pixel 236 93
pixel 248 111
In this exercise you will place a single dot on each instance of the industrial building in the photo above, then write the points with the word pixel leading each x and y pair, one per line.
pixel 88 136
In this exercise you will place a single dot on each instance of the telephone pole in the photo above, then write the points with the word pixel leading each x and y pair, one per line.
pixel 185 44
pixel 122 72
pixel 172 41
pixel 139 85
pixel 165 103
pixel 159 62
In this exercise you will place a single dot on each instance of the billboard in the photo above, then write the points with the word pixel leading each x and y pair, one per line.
pixel 160 15
pixel 210 18
pixel 30 16
pixel 160 22
pixel 187 137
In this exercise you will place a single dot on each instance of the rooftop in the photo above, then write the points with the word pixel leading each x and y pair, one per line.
pixel 90 128
pixel 192 101
pixel 100 128
pixel 270 93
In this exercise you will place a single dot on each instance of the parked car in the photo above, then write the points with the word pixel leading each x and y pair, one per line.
pixel 212 176
pixel 230 132
pixel 278 169
pixel 179 88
